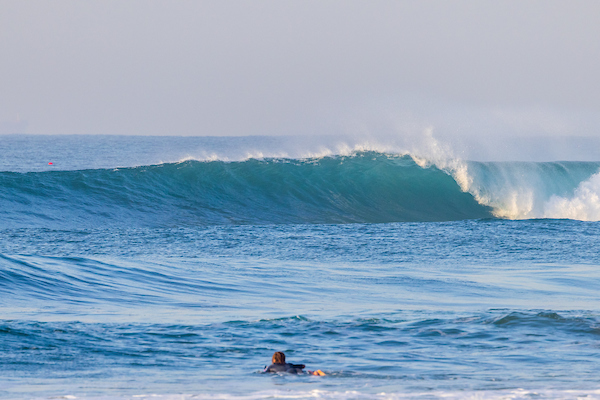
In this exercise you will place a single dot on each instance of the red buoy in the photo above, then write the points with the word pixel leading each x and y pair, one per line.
pixel 50 163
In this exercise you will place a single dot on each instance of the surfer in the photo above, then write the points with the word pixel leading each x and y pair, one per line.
pixel 279 365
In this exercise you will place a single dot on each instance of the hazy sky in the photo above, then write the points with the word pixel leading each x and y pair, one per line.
pixel 299 67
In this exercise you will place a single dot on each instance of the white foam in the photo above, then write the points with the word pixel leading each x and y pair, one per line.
pixel 507 394
pixel 339 149
pixel 512 194
pixel 518 197
pixel 584 205
pixel 430 151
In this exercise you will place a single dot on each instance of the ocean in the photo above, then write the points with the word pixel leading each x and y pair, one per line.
pixel 173 268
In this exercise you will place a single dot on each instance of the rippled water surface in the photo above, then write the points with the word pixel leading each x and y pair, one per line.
pixel 179 281
pixel 402 308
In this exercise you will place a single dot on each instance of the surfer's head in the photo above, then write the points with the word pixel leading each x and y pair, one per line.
pixel 278 358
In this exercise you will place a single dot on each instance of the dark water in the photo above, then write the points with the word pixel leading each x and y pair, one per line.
pixel 180 280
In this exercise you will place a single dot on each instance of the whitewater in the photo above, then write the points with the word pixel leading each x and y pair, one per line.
pixel 333 183
pixel 173 268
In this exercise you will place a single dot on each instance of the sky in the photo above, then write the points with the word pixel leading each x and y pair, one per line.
pixel 230 68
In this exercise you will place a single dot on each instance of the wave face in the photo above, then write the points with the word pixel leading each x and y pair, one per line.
pixel 365 187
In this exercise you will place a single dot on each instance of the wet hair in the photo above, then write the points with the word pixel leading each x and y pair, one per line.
pixel 278 358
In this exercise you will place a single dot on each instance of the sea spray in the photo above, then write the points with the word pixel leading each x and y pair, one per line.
pixel 584 205
pixel 519 190
pixel 361 187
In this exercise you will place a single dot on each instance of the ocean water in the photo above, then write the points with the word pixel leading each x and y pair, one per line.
pixel 173 268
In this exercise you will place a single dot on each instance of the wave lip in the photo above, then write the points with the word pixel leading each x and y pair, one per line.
pixel 365 187
pixel 362 187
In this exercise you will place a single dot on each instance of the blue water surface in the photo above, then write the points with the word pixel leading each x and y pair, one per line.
pixel 167 307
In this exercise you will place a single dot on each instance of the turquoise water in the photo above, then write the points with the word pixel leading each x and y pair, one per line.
pixel 398 278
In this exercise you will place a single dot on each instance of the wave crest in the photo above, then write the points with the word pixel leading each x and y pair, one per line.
pixel 362 187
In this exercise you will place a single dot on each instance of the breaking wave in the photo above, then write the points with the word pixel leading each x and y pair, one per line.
pixel 364 187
